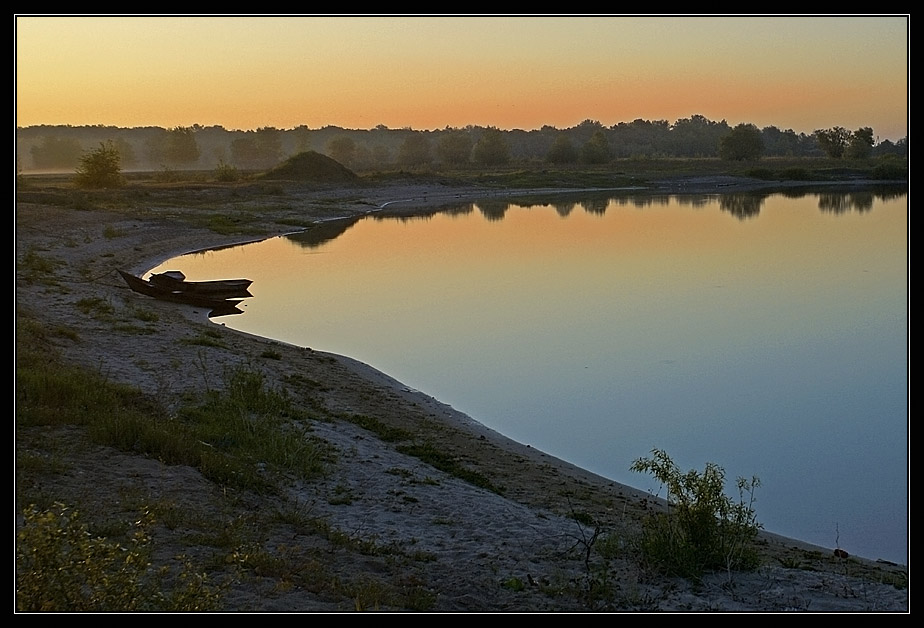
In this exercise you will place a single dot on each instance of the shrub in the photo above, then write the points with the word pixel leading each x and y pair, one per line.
pixel 61 567
pixel 100 168
pixel 225 172
pixel 703 529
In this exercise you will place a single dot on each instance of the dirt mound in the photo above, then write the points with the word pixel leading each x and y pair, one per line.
pixel 312 166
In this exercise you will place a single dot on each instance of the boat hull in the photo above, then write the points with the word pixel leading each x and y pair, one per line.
pixel 213 300
pixel 223 288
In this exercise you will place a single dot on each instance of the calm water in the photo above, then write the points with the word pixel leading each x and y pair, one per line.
pixel 766 334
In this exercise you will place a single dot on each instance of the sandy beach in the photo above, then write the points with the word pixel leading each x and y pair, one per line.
pixel 421 539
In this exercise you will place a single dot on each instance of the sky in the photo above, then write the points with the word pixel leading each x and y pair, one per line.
pixel 513 72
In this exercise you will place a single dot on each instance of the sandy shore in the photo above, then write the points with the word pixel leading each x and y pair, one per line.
pixel 459 547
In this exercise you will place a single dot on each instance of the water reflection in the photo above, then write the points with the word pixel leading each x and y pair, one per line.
pixel 322 232
pixel 841 203
pixel 762 332
pixel 596 206
pixel 493 209
pixel 743 206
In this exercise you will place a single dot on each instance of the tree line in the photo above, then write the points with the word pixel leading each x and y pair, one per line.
pixel 61 147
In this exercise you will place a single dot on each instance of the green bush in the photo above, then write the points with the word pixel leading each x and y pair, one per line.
pixel 61 567
pixel 702 529
pixel 100 168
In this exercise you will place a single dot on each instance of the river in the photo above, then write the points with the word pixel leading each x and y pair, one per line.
pixel 765 333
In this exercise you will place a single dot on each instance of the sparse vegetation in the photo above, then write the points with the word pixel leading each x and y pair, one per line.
pixel 97 307
pixel 37 268
pixel 385 432
pixel 249 431
pixel 439 459
pixel 210 338
pixel 242 437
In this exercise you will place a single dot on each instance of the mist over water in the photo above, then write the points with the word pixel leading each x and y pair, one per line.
pixel 767 334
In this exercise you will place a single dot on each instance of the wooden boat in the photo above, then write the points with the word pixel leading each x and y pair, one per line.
pixel 215 300
pixel 227 288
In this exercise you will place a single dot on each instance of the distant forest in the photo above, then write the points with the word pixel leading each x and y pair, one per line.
pixel 58 148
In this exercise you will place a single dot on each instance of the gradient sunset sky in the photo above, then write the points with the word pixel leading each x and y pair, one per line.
pixel 245 72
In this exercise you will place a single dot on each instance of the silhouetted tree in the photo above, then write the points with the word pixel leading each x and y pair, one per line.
pixel 342 149
pixel 381 155
pixel 562 151
pixel 414 150
pixel 742 143
pixel 491 148
pixel 301 136
pixel 257 149
pixel 56 152
pixel 860 145
pixel 244 152
pixel 126 152
pixel 585 130
pixel 833 141
pixel 182 148
pixel 597 149
pixel 362 158
pixel 780 143
pixel 641 138
pixel 269 146
pixel 697 136
pixel 455 147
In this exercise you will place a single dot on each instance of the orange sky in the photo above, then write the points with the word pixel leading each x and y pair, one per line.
pixel 801 73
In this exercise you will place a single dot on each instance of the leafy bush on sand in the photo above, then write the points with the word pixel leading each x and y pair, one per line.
pixel 702 529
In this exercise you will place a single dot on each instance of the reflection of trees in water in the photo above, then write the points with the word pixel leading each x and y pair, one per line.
pixel 641 202
pixel 833 203
pixel 741 206
pixel 889 192
pixel 842 203
pixel 862 201
pixel 319 233
pixel 694 200
pixel 493 210
pixel 563 209
pixel 460 210
pixel 793 193
pixel 596 206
